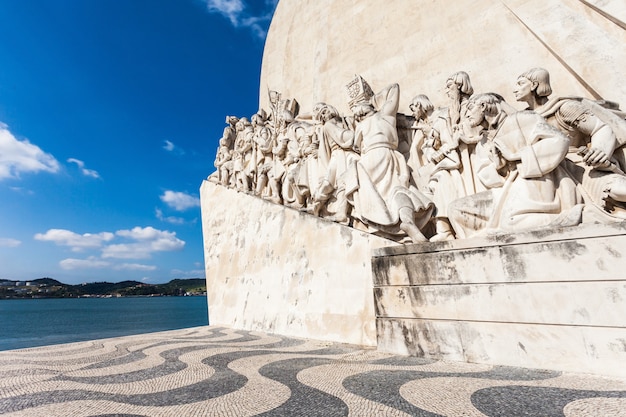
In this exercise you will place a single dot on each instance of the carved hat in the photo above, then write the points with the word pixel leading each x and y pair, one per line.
pixel 359 91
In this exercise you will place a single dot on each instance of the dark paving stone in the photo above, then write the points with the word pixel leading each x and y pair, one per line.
pixel 118 415
pixel 384 387
pixel 532 401
pixel 304 400
pixel 130 357
pixel 403 361
pixel 171 365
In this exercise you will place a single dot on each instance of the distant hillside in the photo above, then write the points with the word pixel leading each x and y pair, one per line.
pixel 51 288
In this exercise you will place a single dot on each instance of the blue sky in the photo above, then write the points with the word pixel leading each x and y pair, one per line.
pixel 110 115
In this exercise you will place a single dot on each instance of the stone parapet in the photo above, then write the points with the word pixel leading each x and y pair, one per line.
pixel 552 299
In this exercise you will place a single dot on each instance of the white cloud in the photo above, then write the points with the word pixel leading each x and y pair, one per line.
pixel 193 273
pixel 231 9
pixel 94 263
pixel 86 172
pixel 21 156
pixel 134 267
pixel 77 242
pixel 91 262
pixel 180 201
pixel 237 12
pixel 6 242
pixel 169 146
pixel 22 190
pixel 172 148
pixel 168 219
pixel 144 241
pixel 148 240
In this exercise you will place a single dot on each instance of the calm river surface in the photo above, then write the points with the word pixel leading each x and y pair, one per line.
pixel 39 322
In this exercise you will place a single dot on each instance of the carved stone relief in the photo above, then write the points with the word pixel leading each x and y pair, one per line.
pixel 470 167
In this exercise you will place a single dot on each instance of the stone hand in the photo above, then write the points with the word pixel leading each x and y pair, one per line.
pixel 595 157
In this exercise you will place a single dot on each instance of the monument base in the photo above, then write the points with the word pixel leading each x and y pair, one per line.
pixel 551 299
pixel 274 269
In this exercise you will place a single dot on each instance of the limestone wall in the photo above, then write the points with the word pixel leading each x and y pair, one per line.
pixel 274 269
pixel 314 47
pixel 553 299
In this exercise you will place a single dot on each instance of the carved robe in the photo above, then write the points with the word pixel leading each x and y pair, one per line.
pixel 534 191
pixel 375 183
pixel 582 121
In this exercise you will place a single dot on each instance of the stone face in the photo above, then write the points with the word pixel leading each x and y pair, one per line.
pixel 553 299
pixel 314 46
pixel 274 269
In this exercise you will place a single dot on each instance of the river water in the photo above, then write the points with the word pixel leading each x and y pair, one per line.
pixel 39 322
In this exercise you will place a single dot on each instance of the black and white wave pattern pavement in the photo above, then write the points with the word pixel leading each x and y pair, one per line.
pixel 211 371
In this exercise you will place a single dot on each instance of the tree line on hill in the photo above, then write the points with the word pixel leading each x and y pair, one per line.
pixel 51 288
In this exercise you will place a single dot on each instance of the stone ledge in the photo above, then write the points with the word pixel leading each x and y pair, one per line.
pixel 594 350
pixel 553 299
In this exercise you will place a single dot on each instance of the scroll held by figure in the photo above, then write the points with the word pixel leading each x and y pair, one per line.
pixel 475 165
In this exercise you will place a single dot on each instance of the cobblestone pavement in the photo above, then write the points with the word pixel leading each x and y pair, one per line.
pixel 211 371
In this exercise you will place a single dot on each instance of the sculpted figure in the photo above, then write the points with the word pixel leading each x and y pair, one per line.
pixel 306 183
pixel 228 137
pixel 300 164
pixel 336 153
pixel 458 89
pixel 223 164
pixel 377 185
pixel 223 157
pixel 520 159
pixel 593 143
pixel 264 141
pixel 422 110
pixel 244 163
pixel 441 164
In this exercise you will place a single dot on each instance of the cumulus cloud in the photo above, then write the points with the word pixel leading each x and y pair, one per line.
pixel 6 242
pixel 147 241
pixel 81 165
pixel 168 219
pixel 180 201
pixel 91 262
pixel 21 156
pixel 141 243
pixel 239 15
pixel 134 267
pixel 193 273
pixel 74 240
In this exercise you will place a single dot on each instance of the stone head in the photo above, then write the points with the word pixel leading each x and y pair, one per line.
pixel 535 81
pixel 362 109
pixel 481 107
pixel 326 112
pixel 421 106
pixel 459 84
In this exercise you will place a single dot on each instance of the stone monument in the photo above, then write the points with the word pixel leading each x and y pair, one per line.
pixel 486 226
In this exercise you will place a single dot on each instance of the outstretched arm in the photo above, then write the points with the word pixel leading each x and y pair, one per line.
pixel 388 100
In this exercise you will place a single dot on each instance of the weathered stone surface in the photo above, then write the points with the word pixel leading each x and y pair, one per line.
pixel 275 269
pixel 313 46
pixel 552 299
pixel 586 349
pixel 584 253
